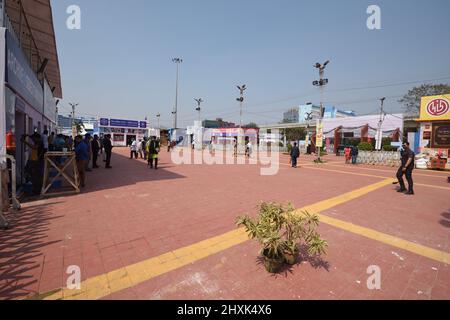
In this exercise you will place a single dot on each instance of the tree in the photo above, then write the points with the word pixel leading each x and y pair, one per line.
pixel 79 126
pixel 251 125
pixel 412 99
pixel 295 134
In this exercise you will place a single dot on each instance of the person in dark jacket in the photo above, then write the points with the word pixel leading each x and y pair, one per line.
pixel 408 159
pixel 153 151
pixel 295 154
pixel 354 153
pixel 95 151
pixel 108 150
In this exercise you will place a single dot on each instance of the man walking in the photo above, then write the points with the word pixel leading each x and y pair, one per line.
pixel 134 149
pixel 108 150
pixel 95 151
pixel 295 154
pixel 406 169
pixel 82 156
pixel 153 151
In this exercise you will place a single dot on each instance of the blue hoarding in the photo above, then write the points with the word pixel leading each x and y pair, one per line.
pixel 21 77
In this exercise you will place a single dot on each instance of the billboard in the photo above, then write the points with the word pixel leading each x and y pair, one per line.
pixel 434 108
pixel 20 76
pixel 441 135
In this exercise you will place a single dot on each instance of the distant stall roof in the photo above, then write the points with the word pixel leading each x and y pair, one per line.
pixel 37 15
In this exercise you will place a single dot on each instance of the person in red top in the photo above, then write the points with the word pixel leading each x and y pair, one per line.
pixel 347 155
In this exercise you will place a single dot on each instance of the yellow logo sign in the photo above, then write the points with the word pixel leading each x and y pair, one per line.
pixel 435 107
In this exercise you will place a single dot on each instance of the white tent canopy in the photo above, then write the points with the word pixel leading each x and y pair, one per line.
pixel 355 124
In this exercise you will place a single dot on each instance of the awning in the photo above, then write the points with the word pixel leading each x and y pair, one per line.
pixel 38 16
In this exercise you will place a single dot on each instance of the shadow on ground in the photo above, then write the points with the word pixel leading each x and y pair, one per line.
pixel 121 175
pixel 446 219
pixel 317 262
pixel 20 251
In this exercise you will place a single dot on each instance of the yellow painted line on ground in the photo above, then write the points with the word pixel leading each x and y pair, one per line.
pixel 421 250
pixel 316 167
pixel 391 171
pixel 132 275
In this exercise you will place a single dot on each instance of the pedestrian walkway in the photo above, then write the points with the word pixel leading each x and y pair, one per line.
pixel 137 233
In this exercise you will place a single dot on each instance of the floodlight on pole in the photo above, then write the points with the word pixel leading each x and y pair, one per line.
pixel 321 84
pixel 178 61
pixel 199 109
pixel 241 101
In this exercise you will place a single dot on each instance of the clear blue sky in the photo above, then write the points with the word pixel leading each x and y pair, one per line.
pixel 119 63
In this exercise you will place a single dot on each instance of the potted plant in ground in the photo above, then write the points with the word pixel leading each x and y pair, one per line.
pixel 266 230
pixel 300 229
pixel 280 230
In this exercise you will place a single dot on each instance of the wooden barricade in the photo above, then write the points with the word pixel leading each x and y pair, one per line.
pixel 62 171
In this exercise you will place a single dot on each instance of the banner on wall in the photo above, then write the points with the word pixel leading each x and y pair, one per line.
pixel 20 76
pixel 441 135
pixel 2 95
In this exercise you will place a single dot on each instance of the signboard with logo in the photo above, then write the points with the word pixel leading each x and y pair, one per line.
pixel 20 76
pixel 435 108
pixel 441 135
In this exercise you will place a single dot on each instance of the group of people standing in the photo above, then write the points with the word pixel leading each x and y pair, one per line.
pixel 351 154
pixel 87 150
pixel 147 149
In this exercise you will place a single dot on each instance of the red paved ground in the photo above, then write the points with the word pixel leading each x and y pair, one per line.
pixel 131 213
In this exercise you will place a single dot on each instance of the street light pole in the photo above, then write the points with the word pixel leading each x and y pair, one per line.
pixel 178 61
pixel 158 116
pixel 321 84
pixel 73 105
pixel 380 125
pixel 241 102
pixel 199 109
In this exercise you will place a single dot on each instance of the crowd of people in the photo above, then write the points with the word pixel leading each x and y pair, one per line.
pixel 87 149
pixel 147 149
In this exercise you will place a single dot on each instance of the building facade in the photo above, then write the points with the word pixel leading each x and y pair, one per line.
pixel 123 131
pixel 434 135
pixel 29 69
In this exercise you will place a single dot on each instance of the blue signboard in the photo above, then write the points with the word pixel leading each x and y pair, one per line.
pixel 21 77
pixel 124 123
pixel 143 125
pixel 104 122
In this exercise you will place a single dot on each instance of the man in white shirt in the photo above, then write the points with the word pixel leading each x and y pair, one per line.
pixel 133 149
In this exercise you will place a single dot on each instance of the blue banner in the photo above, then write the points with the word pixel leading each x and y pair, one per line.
pixel 21 77
pixel 123 123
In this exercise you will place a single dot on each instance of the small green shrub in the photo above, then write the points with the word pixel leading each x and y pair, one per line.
pixel 365 146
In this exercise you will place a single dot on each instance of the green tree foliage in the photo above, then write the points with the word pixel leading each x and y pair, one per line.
pixel 411 100
pixel 365 146
pixel 295 134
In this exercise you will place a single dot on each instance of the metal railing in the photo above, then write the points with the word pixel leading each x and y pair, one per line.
pixel 14 202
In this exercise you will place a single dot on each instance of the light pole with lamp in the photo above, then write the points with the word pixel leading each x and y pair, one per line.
pixel 380 125
pixel 321 84
pixel 178 61
pixel 199 109
pixel 241 103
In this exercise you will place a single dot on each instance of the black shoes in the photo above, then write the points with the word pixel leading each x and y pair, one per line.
pixel 401 190
pixel 410 193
